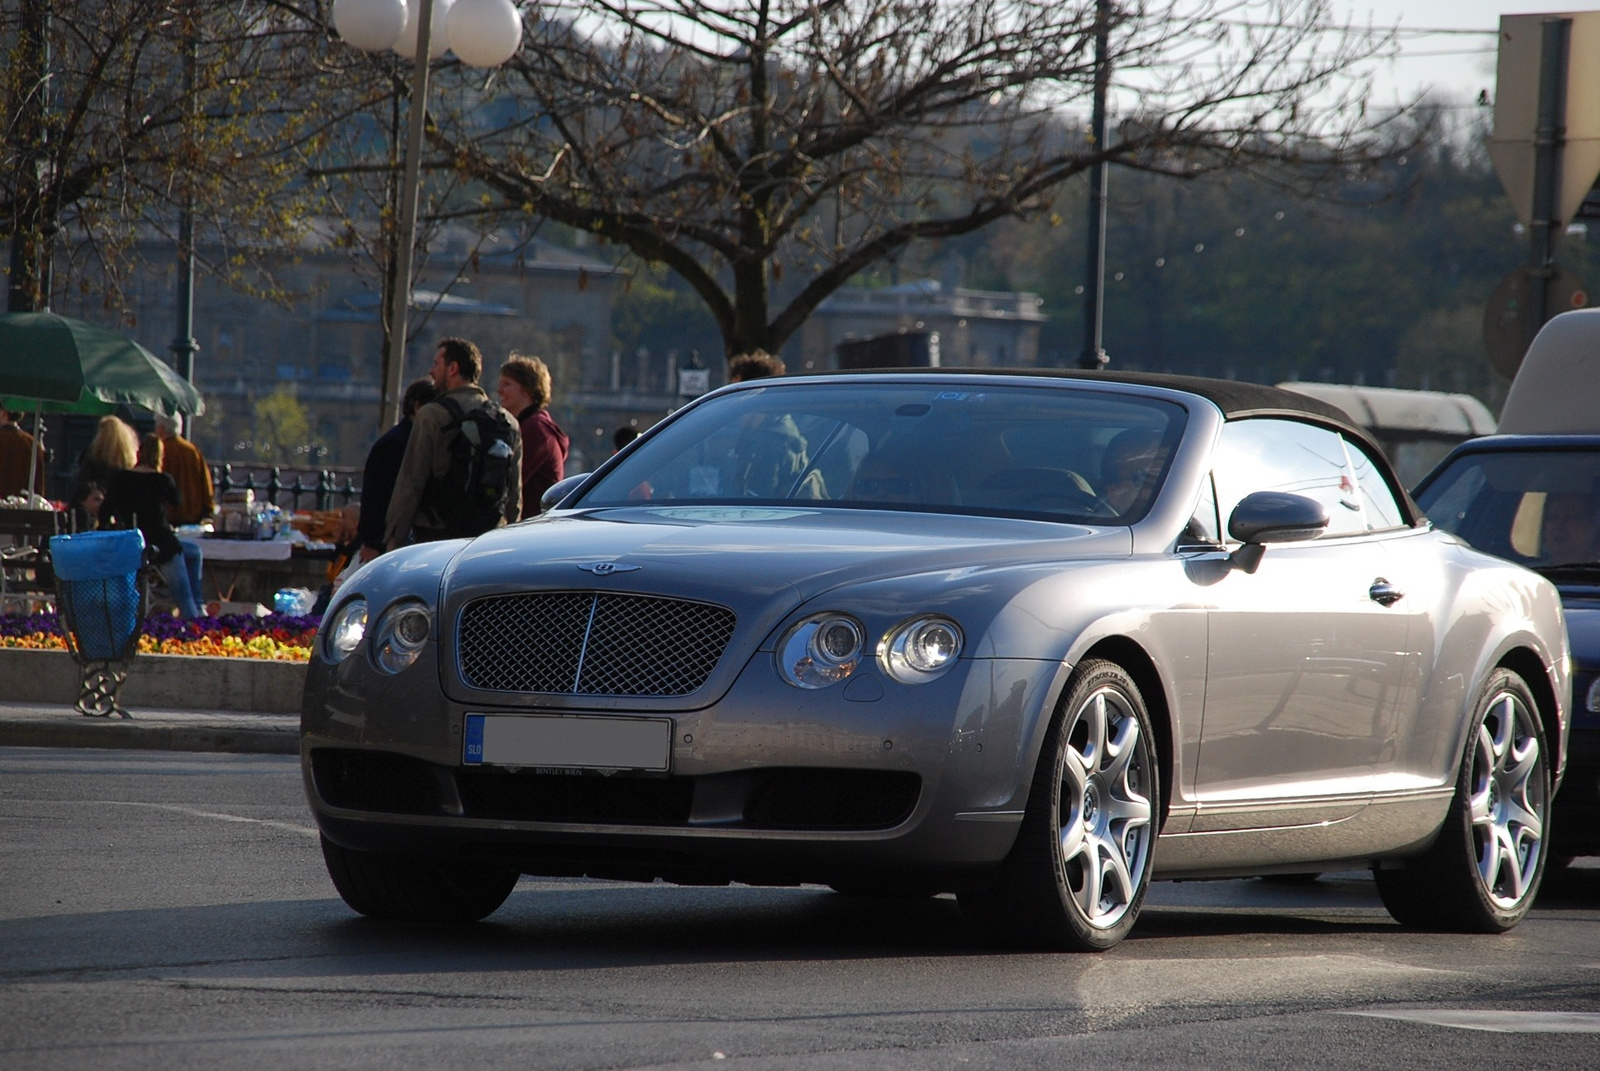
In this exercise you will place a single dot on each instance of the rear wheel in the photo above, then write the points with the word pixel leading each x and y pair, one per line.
pixel 1484 870
pixel 1076 878
pixel 397 887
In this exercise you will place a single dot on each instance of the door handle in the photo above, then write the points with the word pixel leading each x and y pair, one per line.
pixel 1384 593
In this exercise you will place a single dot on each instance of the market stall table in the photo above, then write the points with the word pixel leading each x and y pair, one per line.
pixel 262 566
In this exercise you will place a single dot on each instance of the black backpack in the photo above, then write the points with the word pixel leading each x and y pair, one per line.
pixel 471 497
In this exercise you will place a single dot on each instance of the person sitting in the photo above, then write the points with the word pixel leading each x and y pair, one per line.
pixel 1570 530
pixel 115 446
pixel 137 498
pixel 1128 470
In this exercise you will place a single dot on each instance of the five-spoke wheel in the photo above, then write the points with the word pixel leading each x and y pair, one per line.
pixel 1483 872
pixel 1078 873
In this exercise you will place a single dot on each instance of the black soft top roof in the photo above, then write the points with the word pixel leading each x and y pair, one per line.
pixel 1234 398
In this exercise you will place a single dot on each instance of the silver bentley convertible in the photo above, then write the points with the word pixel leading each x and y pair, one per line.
pixel 1032 638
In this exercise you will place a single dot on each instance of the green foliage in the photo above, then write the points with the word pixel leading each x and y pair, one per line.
pixel 1382 281
pixel 282 429
pixel 658 312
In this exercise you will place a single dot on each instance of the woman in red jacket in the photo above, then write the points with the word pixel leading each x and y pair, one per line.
pixel 525 392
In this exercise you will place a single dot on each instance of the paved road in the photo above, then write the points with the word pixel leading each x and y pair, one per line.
pixel 160 910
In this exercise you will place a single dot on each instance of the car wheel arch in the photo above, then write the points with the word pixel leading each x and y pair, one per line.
pixel 1527 664
pixel 1138 664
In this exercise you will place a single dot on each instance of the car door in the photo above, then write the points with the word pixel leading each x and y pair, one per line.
pixel 1306 661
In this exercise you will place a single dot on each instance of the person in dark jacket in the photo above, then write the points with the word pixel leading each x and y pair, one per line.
pixel 138 498
pixel 525 392
pixel 383 466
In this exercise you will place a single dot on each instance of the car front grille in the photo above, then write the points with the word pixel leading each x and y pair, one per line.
pixel 588 643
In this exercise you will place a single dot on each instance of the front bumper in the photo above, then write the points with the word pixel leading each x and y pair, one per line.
pixel 769 784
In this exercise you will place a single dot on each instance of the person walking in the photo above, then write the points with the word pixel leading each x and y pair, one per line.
pixel 524 390
pixel 137 498
pixel 383 468
pixel 18 450
pixel 427 502
pixel 183 461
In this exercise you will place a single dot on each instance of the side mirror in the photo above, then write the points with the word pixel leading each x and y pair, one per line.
pixel 558 491
pixel 1273 517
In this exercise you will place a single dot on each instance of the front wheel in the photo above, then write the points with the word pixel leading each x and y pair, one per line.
pixel 1076 878
pixel 414 890
pixel 1483 872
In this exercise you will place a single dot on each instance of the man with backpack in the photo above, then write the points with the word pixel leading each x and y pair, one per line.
pixel 461 474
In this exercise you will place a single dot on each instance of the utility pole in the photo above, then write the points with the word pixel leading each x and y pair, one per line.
pixel 1094 356
pixel 184 346
pixel 1548 137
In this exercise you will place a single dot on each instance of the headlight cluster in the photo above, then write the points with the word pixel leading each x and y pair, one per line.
pixel 825 649
pixel 343 632
pixel 402 632
pixel 821 650
pixel 920 649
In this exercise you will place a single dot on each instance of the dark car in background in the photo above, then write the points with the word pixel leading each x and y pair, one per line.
pixel 1531 495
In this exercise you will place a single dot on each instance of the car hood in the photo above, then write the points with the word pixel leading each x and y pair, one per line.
pixel 743 552
pixel 761 563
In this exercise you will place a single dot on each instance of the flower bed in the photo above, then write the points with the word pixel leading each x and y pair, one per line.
pixel 275 636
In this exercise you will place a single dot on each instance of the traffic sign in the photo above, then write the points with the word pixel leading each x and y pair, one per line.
pixel 1516 112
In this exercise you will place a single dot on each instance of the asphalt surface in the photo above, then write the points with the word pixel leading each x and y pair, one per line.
pixel 58 725
pixel 162 910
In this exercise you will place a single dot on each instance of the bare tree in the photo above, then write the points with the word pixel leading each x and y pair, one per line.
pixel 105 138
pixel 769 150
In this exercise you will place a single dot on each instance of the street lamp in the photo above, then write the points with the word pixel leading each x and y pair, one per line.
pixel 483 33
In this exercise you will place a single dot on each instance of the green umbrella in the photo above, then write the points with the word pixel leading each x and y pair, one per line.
pixel 51 363
pixel 55 363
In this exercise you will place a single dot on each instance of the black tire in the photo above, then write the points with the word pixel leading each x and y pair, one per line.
pixel 414 890
pixel 1484 870
pixel 1076 877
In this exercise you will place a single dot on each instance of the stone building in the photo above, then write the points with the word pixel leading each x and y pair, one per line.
pixel 975 328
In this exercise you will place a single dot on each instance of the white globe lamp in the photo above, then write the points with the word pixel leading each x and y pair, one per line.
pixel 370 25
pixel 438 39
pixel 484 33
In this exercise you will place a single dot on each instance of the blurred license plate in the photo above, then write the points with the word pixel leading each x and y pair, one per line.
pixel 540 740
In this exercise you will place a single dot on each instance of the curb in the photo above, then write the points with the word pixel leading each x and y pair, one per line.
pixel 183 682
pixel 99 733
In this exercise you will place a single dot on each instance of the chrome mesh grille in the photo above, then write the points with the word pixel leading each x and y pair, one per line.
pixel 586 643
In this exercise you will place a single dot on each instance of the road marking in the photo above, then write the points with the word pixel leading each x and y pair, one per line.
pixel 1499 1022
pixel 305 831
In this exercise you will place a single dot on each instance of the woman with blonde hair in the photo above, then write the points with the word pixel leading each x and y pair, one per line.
pixel 525 392
pixel 115 447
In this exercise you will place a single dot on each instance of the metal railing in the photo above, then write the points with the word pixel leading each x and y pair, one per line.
pixel 286 488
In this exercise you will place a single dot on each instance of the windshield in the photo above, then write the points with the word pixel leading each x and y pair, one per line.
pixel 1059 453
pixel 1536 507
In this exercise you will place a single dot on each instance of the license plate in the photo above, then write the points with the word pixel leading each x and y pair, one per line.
pixel 574 742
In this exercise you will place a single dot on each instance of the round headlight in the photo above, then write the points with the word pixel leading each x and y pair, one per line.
pixel 1592 700
pixel 821 650
pixel 342 633
pixel 920 649
pixel 402 631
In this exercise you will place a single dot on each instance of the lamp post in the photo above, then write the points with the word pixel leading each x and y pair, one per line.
pixel 483 33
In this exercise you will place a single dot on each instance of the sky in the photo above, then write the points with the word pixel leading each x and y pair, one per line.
pixel 1454 65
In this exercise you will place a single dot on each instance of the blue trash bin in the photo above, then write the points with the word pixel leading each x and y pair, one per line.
pixel 101 608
